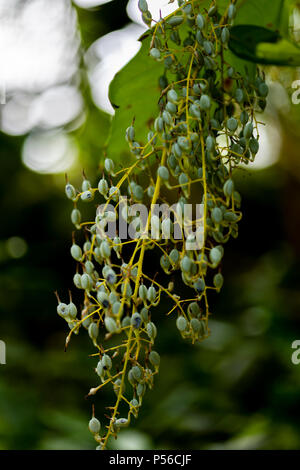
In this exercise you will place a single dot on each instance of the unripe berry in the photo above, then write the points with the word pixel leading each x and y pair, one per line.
pixel 136 320
pixel 76 252
pixel 181 323
pixel 154 358
pixel 94 426
pixel 75 216
pixel 70 191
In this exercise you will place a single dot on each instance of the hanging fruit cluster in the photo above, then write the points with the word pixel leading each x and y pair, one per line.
pixel 205 127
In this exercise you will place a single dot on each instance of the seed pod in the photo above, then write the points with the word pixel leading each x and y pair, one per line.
pixel 231 11
pixel 94 426
pixel 172 96
pixel 230 216
pixel 105 249
pixel 183 179
pixel 195 325
pixel 163 173
pixel 114 193
pixel 110 324
pixel 225 35
pixel 228 188
pixel 263 90
pixel 159 124
pixel 75 216
pixel 155 53
pixel 102 298
pixel 117 308
pixel 137 373
pixel 143 292
pixel 93 331
pixel 167 118
pixel 151 294
pixel 126 290
pixel 215 256
pixel 144 315
pixel 210 143
pixel 136 320
pixel 76 252
pixel 244 117
pixel 171 107
pixel 254 145
pixel 199 285
pixel 239 95
pixel 126 322
pixel 181 323
pixel 154 358
pixel 200 21
pixel 208 47
pixel 141 389
pixel 205 102
pixel 72 310
pixel 70 191
pixel 106 362
pixel 175 20
pixel 174 255
pixel 248 129
pixel 232 124
pixel 99 369
pixel 213 10
pixel 218 281
pixel 193 309
pixel 121 422
pixel 62 309
pixel 186 264
pixel 87 196
pixel 151 330
pixel 86 185
pixel 77 280
pixel 143 6
pixel 103 186
pixel 217 215
pixel 109 165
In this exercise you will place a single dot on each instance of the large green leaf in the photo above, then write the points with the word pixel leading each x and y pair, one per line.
pixel 133 93
pixel 263 46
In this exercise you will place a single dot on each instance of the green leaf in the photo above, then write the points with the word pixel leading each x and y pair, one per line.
pixel 134 94
pixel 263 46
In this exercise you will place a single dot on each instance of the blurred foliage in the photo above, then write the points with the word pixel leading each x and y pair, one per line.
pixel 237 390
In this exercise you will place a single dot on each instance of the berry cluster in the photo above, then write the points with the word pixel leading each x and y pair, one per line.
pixel 206 126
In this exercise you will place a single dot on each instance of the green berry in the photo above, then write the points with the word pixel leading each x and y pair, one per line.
pixel 181 323
pixel 154 358
pixel 70 191
pixel 76 252
pixel 94 426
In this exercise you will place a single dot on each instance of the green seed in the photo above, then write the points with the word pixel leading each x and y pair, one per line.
pixel 151 330
pixel 215 256
pixel 154 358
pixel 175 20
pixel 106 362
pixel 200 21
pixel 196 325
pixel 86 185
pixel 163 173
pixel 110 324
pixel 228 188
pixel 218 280
pixel 109 165
pixel 76 252
pixel 136 320
pixel 205 102
pixel 232 124
pixel 151 294
pixel 75 216
pixel 103 186
pixel 231 11
pixel 94 426
pixel 181 323
pixel 217 215
pixel 87 196
pixel 248 129
pixel 93 331
pixel 70 191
